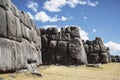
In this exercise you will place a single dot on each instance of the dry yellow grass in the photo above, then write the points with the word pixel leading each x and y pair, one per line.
pixel 109 71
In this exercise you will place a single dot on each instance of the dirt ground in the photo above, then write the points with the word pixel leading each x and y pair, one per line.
pixel 109 71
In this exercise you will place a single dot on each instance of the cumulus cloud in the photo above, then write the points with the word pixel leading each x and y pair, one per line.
pixel 94 30
pixel 31 16
pixel 56 5
pixel 83 34
pixel 32 5
pixel 114 47
pixel 43 17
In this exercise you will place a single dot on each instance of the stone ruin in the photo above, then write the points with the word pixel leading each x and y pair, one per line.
pixel 19 38
pixel 21 41
pixel 96 51
pixel 64 47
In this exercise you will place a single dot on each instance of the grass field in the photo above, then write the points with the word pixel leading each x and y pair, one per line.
pixel 109 71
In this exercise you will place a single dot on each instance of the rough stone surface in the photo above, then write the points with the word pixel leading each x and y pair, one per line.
pixel 21 41
pixel 96 51
pixel 66 46
pixel 3 23
pixel 17 43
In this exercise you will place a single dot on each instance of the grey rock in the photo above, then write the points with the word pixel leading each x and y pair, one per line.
pixel 25 32
pixel 105 58
pixel 44 41
pixel 20 56
pixel 93 58
pixel 74 32
pixel 11 25
pixel 62 52
pixel 53 44
pixel 3 23
pixel 68 29
pixel 18 30
pixel 22 17
pixel 54 30
pixel 6 4
pixel 14 10
pixel 7 55
pixel 65 36
pixel 77 51
pixel 27 20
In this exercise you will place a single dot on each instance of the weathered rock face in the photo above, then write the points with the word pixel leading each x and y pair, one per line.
pixel 115 58
pixel 96 51
pixel 63 47
pixel 19 38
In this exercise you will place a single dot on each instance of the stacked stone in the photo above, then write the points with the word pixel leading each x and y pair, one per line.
pixel 96 51
pixel 19 38
pixel 63 47
pixel 115 58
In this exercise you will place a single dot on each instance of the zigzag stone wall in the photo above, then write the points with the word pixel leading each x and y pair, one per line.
pixel 21 41
pixel 19 38
pixel 64 47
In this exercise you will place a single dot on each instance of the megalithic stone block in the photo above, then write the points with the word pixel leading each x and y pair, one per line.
pixel 7 55
pixel 53 44
pixel 11 25
pixel 77 51
pixel 62 52
pixel 74 32
pixel 18 30
pixel 3 23
pixel 14 10
pixel 6 4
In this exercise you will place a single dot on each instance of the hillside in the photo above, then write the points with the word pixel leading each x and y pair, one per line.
pixel 109 71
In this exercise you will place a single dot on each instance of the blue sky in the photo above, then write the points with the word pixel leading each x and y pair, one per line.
pixel 94 17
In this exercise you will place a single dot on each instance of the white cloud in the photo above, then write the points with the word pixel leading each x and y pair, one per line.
pixel 56 5
pixel 43 17
pixel 94 30
pixel 85 17
pixel 31 16
pixel 32 5
pixel 83 34
pixel 73 3
pixel 114 47
pixel 92 4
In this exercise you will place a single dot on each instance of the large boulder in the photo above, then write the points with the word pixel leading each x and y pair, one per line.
pixel 93 58
pixel 7 55
pixel 62 52
pixel 74 32
pixel 11 22
pixel 77 51
pixel 6 4
pixel 18 30
pixel 3 23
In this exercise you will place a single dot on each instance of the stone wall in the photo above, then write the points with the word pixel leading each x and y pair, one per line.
pixel 19 38
pixel 21 41
pixel 96 51
pixel 64 47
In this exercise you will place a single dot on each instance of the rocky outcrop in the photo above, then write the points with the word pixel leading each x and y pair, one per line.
pixel 19 38
pixel 96 51
pixel 63 47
